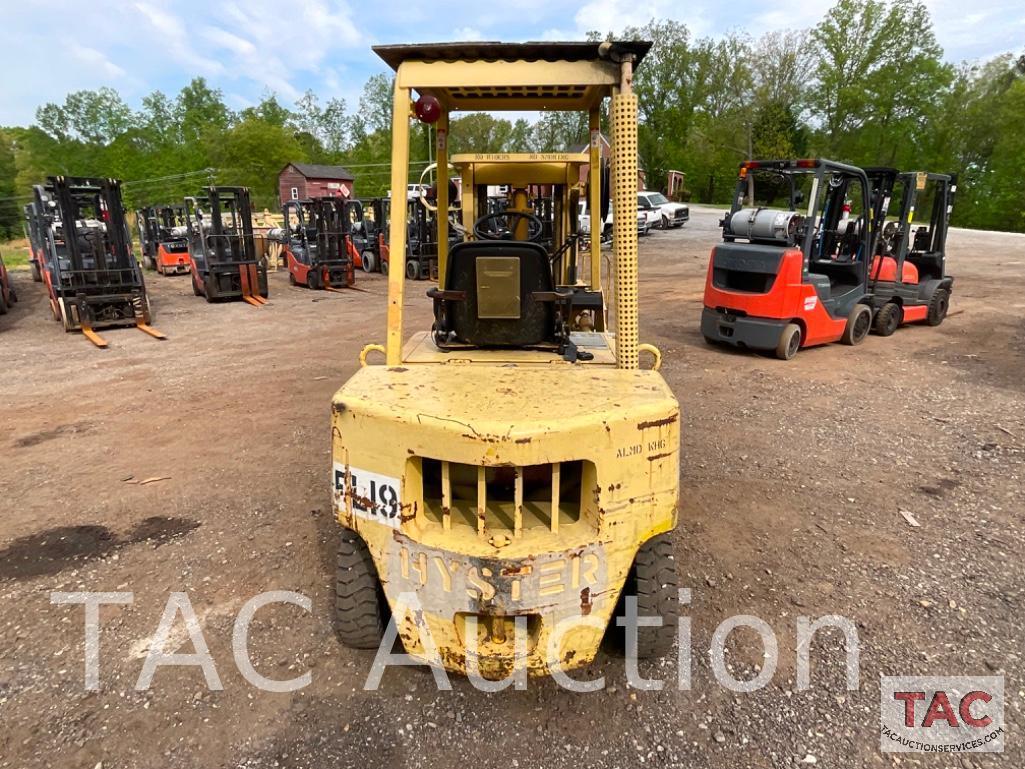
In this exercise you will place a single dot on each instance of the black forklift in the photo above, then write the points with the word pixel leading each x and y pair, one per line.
pixel 373 247
pixel 35 232
pixel 222 250
pixel 90 272
pixel 908 279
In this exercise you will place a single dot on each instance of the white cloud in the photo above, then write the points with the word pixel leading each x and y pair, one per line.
pixel 94 59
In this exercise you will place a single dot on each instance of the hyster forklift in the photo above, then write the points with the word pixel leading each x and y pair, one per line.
pixel 164 237
pixel 318 243
pixel 90 272
pixel 792 270
pixel 505 480
pixel 222 251
pixel 908 279
pixel 374 247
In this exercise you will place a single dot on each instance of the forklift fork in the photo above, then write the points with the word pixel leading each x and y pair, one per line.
pixel 251 278
pixel 93 337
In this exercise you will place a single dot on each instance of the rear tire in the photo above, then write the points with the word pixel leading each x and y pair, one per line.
pixel 789 342
pixel 360 608
pixel 939 303
pixel 887 320
pixel 367 260
pixel 653 580
pixel 859 323
pixel 291 278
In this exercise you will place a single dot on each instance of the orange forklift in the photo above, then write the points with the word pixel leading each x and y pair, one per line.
pixel 793 268
pixel 908 279
pixel 163 235
pixel 317 243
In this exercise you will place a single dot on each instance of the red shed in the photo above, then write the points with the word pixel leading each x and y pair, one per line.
pixel 302 181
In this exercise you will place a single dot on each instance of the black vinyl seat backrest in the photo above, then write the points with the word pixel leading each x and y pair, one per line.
pixel 470 313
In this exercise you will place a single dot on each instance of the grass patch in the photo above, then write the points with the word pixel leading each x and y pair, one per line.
pixel 15 254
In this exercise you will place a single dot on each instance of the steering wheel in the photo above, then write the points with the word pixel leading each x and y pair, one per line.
pixel 504 231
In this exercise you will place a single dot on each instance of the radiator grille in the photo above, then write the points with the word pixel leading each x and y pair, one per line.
pixel 510 499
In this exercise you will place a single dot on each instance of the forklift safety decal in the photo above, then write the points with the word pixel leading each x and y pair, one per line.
pixel 810 302
pixel 371 496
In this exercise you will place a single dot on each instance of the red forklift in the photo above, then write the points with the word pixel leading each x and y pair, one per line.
pixel 317 243
pixel 792 270
pixel 222 250
pixel 163 235
pixel 908 280
pixel 90 272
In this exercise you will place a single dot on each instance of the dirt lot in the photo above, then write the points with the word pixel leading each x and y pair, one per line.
pixel 794 475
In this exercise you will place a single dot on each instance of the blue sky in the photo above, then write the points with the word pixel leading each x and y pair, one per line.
pixel 249 47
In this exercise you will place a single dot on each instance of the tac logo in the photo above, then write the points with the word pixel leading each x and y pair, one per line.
pixel 937 714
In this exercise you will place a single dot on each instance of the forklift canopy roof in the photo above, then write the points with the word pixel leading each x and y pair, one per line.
pixel 512 76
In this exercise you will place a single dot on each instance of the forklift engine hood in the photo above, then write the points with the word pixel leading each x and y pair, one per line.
pixel 491 492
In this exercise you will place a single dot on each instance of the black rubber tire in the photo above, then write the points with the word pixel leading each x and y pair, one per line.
pixel 367 261
pixel 291 278
pixel 207 293
pixel 859 323
pixel 664 223
pixel 195 286
pixel 361 614
pixel 3 304
pixel 939 303
pixel 789 342
pixel 888 319
pixel 653 579
pixel 313 280
pixel 384 268
pixel 412 271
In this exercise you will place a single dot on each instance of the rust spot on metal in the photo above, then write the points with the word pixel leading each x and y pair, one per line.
pixel 338 407
pixel 658 422
pixel 524 440
pixel 656 457
pixel 399 369
pixel 517 571
pixel 585 601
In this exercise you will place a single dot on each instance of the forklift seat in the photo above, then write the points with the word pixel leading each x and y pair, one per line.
pixel 499 294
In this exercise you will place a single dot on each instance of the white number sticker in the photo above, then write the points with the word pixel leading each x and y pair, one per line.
pixel 373 497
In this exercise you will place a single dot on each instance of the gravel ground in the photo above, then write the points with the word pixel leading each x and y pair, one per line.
pixel 794 484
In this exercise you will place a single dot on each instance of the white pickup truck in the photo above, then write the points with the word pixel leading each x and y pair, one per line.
pixel 584 222
pixel 667 213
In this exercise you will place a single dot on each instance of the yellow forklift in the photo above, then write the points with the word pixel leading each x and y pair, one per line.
pixel 506 479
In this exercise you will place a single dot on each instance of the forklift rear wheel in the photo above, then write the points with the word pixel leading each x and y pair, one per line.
pixel 789 342
pixel 859 323
pixel 653 581
pixel 291 278
pixel 384 267
pixel 360 608
pixel 412 271
pixel 938 305
pixel 887 320
pixel 367 260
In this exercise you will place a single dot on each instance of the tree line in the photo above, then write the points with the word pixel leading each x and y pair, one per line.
pixel 867 85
